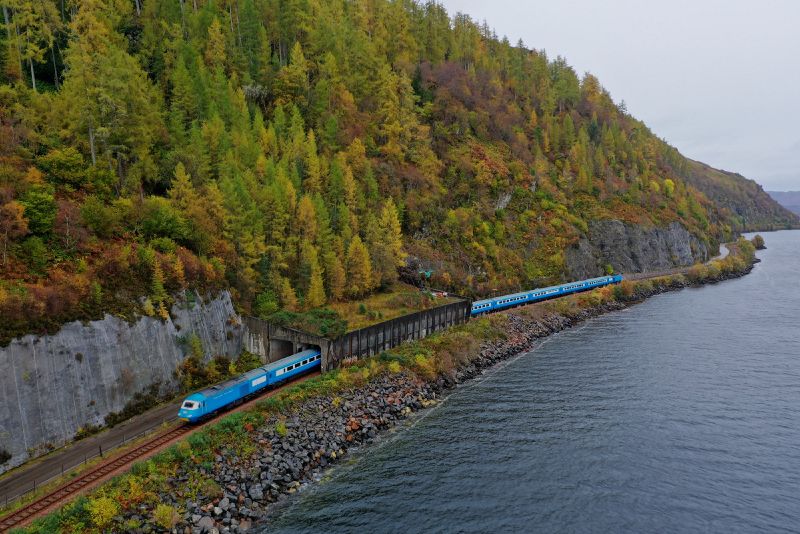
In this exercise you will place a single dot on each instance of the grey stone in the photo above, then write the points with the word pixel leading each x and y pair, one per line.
pixel 117 359
pixel 206 524
pixel 632 248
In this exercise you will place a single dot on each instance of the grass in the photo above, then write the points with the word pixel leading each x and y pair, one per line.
pixel 401 299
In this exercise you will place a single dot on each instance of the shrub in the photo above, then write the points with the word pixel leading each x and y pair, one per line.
pixel 35 253
pixel 161 219
pixel 758 242
pixel 280 428
pixel 166 516
pixel 623 291
pixel 102 511
pixel 163 244
pixel 4 456
pixel 697 273
pixel 265 305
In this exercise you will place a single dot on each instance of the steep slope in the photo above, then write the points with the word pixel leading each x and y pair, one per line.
pixel 745 204
pixel 788 199
pixel 300 152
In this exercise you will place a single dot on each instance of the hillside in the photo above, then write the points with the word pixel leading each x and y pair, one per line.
pixel 788 199
pixel 299 152
pixel 743 202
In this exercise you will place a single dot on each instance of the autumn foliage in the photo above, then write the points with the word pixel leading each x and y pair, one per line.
pixel 298 153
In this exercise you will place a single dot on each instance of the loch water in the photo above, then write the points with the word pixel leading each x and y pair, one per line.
pixel 680 414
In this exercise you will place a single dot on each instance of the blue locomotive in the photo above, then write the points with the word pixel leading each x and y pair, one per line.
pixel 213 399
pixel 534 295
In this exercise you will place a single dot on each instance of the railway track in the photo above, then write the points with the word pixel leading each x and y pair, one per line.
pixel 94 476
pixel 87 479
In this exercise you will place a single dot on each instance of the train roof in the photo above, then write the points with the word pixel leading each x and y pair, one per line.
pixel 522 293
pixel 289 359
pixel 222 386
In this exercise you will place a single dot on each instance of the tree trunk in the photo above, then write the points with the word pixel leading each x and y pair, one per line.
pixel 8 23
pixel 138 7
pixel 238 26
pixel 33 76
pixel 19 50
pixel 55 67
pixel 91 146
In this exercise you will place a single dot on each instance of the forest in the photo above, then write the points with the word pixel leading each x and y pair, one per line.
pixel 302 152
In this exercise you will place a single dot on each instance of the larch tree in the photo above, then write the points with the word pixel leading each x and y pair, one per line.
pixel 292 84
pixel 359 269
pixel 312 182
pixel 36 22
pixel 107 98
pixel 214 53
pixel 335 276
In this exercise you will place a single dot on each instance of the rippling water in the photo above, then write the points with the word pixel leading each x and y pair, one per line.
pixel 679 414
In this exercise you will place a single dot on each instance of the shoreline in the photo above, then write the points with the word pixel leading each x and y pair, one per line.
pixel 232 477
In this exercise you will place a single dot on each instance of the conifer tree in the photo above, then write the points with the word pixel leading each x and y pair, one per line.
pixel 307 219
pixel 292 85
pixel 106 96
pixel 335 276
pixel 214 53
pixel 287 295
pixel 313 178
pixel 36 23
pixel 359 269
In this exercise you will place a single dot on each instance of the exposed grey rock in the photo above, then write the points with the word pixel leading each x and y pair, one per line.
pixel 206 524
pixel 631 248
pixel 50 392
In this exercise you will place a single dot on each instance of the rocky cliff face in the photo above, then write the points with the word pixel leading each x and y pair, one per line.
pixel 53 385
pixel 628 248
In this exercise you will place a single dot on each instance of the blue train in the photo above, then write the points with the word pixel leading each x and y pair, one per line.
pixel 534 295
pixel 213 399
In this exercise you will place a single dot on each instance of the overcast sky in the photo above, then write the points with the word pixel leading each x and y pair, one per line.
pixel 718 79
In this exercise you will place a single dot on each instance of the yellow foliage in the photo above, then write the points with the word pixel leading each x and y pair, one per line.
pixel 166 516
pixel 102 511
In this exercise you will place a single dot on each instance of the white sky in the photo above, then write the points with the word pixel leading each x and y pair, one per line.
pixel 718 79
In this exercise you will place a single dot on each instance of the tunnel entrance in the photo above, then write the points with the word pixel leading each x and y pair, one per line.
pixel 279 348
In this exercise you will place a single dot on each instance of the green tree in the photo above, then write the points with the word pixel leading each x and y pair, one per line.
pixel 40 210
pixel 214 53
pixel 107 99
pixel 292 84
pixel 36 24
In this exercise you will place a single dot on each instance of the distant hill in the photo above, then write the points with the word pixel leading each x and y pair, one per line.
pixel 742 201
pixel 787 199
